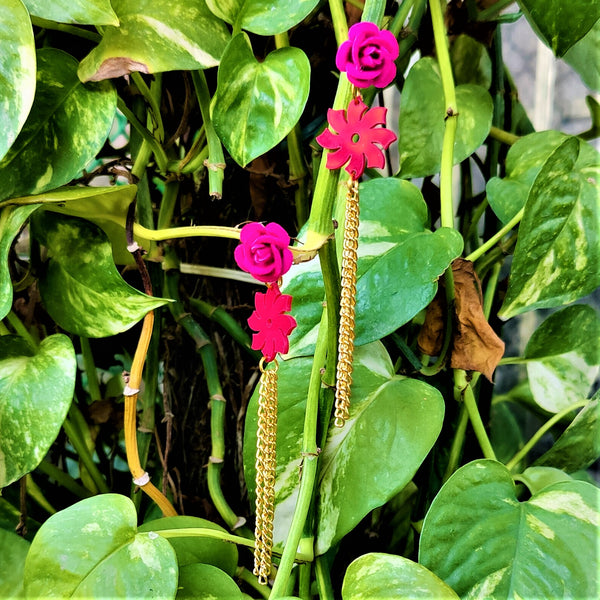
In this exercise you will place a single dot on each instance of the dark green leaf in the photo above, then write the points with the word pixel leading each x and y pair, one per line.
pixel 583 57
pixel 17 71
pixel 265 17
pixel 579 445
pixel 92 550
pixel 66 127
pixel 383 576
pixel 36 389
pixel 557 258
pixel 205 582
pixel 471 62
pixel 422 120
pixel 398 267
pixel 538 478
pixel 85 12
pixel 258 103
pixel 12 219
pixel 506 431
pixel 192 550
pixel 560 24
pixel 484 543
pixel 563 357
pixel 13 550
pixel 155 36
pixel 524 162
pixel 80 286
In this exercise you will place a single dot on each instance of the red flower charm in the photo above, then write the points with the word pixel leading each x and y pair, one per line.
pixel 271 325
pixel 356 138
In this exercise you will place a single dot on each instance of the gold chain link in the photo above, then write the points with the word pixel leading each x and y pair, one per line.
pixel 265 471
pixel 347 306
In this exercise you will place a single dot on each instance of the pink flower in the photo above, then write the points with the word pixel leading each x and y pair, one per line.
pixel 263 251
pixel 368 56
pixel 356 138
pixel 271 325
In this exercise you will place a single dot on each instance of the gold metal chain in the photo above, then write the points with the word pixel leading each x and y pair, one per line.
pixel 265 471
pixel 347 306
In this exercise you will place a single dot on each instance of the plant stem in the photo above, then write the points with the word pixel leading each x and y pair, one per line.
pixel 323 579
pixel 447 161
pixel 338 16
pixel 216 159
pixel 20 329
pixel 156 118
pixel 463 388
pixel 516 459
pixel 457 442
pixel 246 576
pixel 489 13
pixel 64 28
pixel 400 16
pixel 90 369
pixel 495 238
pixel 63 479
pixel 503 136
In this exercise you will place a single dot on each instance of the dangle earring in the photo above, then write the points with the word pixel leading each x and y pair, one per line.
pixel 354 142
pixel 263 252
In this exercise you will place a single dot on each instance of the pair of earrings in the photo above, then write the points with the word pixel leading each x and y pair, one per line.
pixel 355 142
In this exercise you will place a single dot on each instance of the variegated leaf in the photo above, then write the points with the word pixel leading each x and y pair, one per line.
pixel 80 286
pixel 13 550
pixel 582 57
pixel 265 17
pixel 484 543
pixel 84 12
pixel 557 257
pixel 67 126
pixel 36 389
pixel 12 219
pixel 390 416
pixel 384 576
pixel 257 103
pixel 205 582
pixel 105 557
pixel 17 71
pixel 156 36
pixel 563 357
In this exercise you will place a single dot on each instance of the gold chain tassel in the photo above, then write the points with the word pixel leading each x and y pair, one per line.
pixel 347 306
pixel 265 471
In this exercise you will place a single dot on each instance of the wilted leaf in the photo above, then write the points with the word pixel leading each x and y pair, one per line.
pixel 36 389
pixel 475 345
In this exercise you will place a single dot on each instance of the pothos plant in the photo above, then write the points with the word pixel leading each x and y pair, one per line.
pixel 397 470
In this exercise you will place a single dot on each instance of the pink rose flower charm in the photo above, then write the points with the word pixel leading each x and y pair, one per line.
pixel 368 56
pixel 263 251
pixel 356 139
pixel 272 326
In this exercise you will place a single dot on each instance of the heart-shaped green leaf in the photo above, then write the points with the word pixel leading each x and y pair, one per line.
pixel 205 582
pixel 257 103
pixel 265 17
pixel 524 161
pixel 582 56
pixel 12 219
pixel 105 206
pixel 384 576
pixel 155 36
pixel 84 12
pixel 13 550
pixel 399 263
pixel 17 71
pixel 563 356
pixel 484 543
pixel 557 257
pixel 36 389
pixel 192 550
pixel 105 557
pixel 560 25
pixel 80 286
pixel 579 445
pixel 390 416
pixel 66 127
pixel 422 120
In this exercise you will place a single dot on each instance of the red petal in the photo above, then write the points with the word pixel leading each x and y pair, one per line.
pixel 329 140
pixel 356 108
pixel 337 120
pixel 338 159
